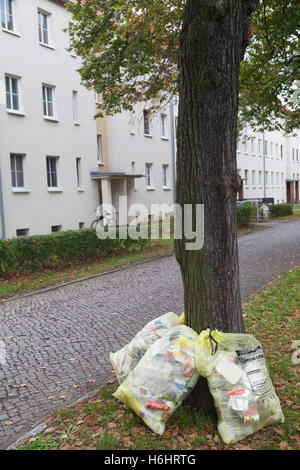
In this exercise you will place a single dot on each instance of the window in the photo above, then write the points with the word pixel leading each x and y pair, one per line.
pixel 146 122
pixel 282 178
pixel 253 177
pixel 81 225
pixel 277 178
pixel 75 107
pixel 56 228
pixel 12 93
pixel 48 101
pixel 246 177
pixel 266 177
pixel 297 155
pixel 7 19
pixel 266 148
pixel 52 172
pixel 163 119
pixel 148 168
pixel 22 232
pixel 260 178
pixel 281 151
pixel 133 173
pixel 272 178
pixel 17 174
pixel 293 153
pixel 78 172
pixel 165 169
pixel 99 148
pixel 252 145
pixel 43 28
pixel 245 145
pixel 271 149
pixel 276 150
pixel 259 146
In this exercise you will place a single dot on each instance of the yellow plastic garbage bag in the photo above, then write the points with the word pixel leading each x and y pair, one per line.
pixel 239 382
pixel 125 360
pixel 162 379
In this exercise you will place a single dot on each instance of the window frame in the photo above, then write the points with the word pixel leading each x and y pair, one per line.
pixel 11 94
pixel 15 172
pixel 41 30
pixel 148 166
pixel 5 14
pixel 50 172
pixel 165 174
pixel 46 101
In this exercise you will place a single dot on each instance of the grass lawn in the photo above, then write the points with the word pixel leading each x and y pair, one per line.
pixel 105 423
pixel 19 284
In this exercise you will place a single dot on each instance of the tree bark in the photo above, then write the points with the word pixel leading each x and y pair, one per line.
pixel 213 40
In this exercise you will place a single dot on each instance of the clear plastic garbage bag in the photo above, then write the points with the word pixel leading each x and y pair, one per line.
pixel 125 360
pixel 239 382
pixel 162 379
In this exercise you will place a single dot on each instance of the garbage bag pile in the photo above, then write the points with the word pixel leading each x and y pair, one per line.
pixel 125 360
pixel 238 379
pixel 161 366
pixel 165 375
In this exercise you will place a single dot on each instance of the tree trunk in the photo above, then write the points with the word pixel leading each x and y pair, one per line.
pixel 214 37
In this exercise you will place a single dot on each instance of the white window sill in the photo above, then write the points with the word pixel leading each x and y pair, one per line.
pixel 80 190
pixel 15 112
pixel 76 123
pixel 132 133
pixel 150 188
pixel 166 188
pixel 11 32
pixel 148 135
pixel 50 118
pixel 101 163
pixel 47 45
pixel 163 137
pixel 20 190
pixel 55 190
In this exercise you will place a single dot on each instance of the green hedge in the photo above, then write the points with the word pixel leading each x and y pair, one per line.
pixel 245 213
pixel 45 251
pixel 280 210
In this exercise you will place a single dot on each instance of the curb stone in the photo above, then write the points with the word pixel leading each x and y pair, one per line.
pixel 86 278
pixel 43 426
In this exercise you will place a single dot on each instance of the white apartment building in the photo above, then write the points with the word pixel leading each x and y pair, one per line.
pixel 58 163
pixel 269 165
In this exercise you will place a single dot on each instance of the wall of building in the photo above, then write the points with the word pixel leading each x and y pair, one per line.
pixel 28 133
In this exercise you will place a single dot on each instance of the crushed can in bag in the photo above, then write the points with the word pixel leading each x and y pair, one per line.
pixel 125 360
pixel 239 382
pixel 164 376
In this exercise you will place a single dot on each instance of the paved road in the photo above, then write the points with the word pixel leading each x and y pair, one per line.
pixel 62 338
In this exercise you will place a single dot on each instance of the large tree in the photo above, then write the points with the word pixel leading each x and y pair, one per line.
pixel 138 50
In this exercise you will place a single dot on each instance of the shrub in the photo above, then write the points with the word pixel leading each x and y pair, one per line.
pixel 280 210
pixel 245 213
pixel 55 249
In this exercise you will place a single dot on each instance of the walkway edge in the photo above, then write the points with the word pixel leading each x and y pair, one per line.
pixel 86 278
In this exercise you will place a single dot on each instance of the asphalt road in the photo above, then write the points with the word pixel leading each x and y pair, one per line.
pixel 57 343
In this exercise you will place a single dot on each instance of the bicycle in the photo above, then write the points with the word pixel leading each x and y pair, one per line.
pixel 103 220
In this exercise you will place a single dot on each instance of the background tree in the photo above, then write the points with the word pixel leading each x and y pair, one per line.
pixel 129 52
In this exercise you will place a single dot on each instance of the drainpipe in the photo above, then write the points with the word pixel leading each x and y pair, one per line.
pixel 264 164
pixel 2 220
pixel 173 149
